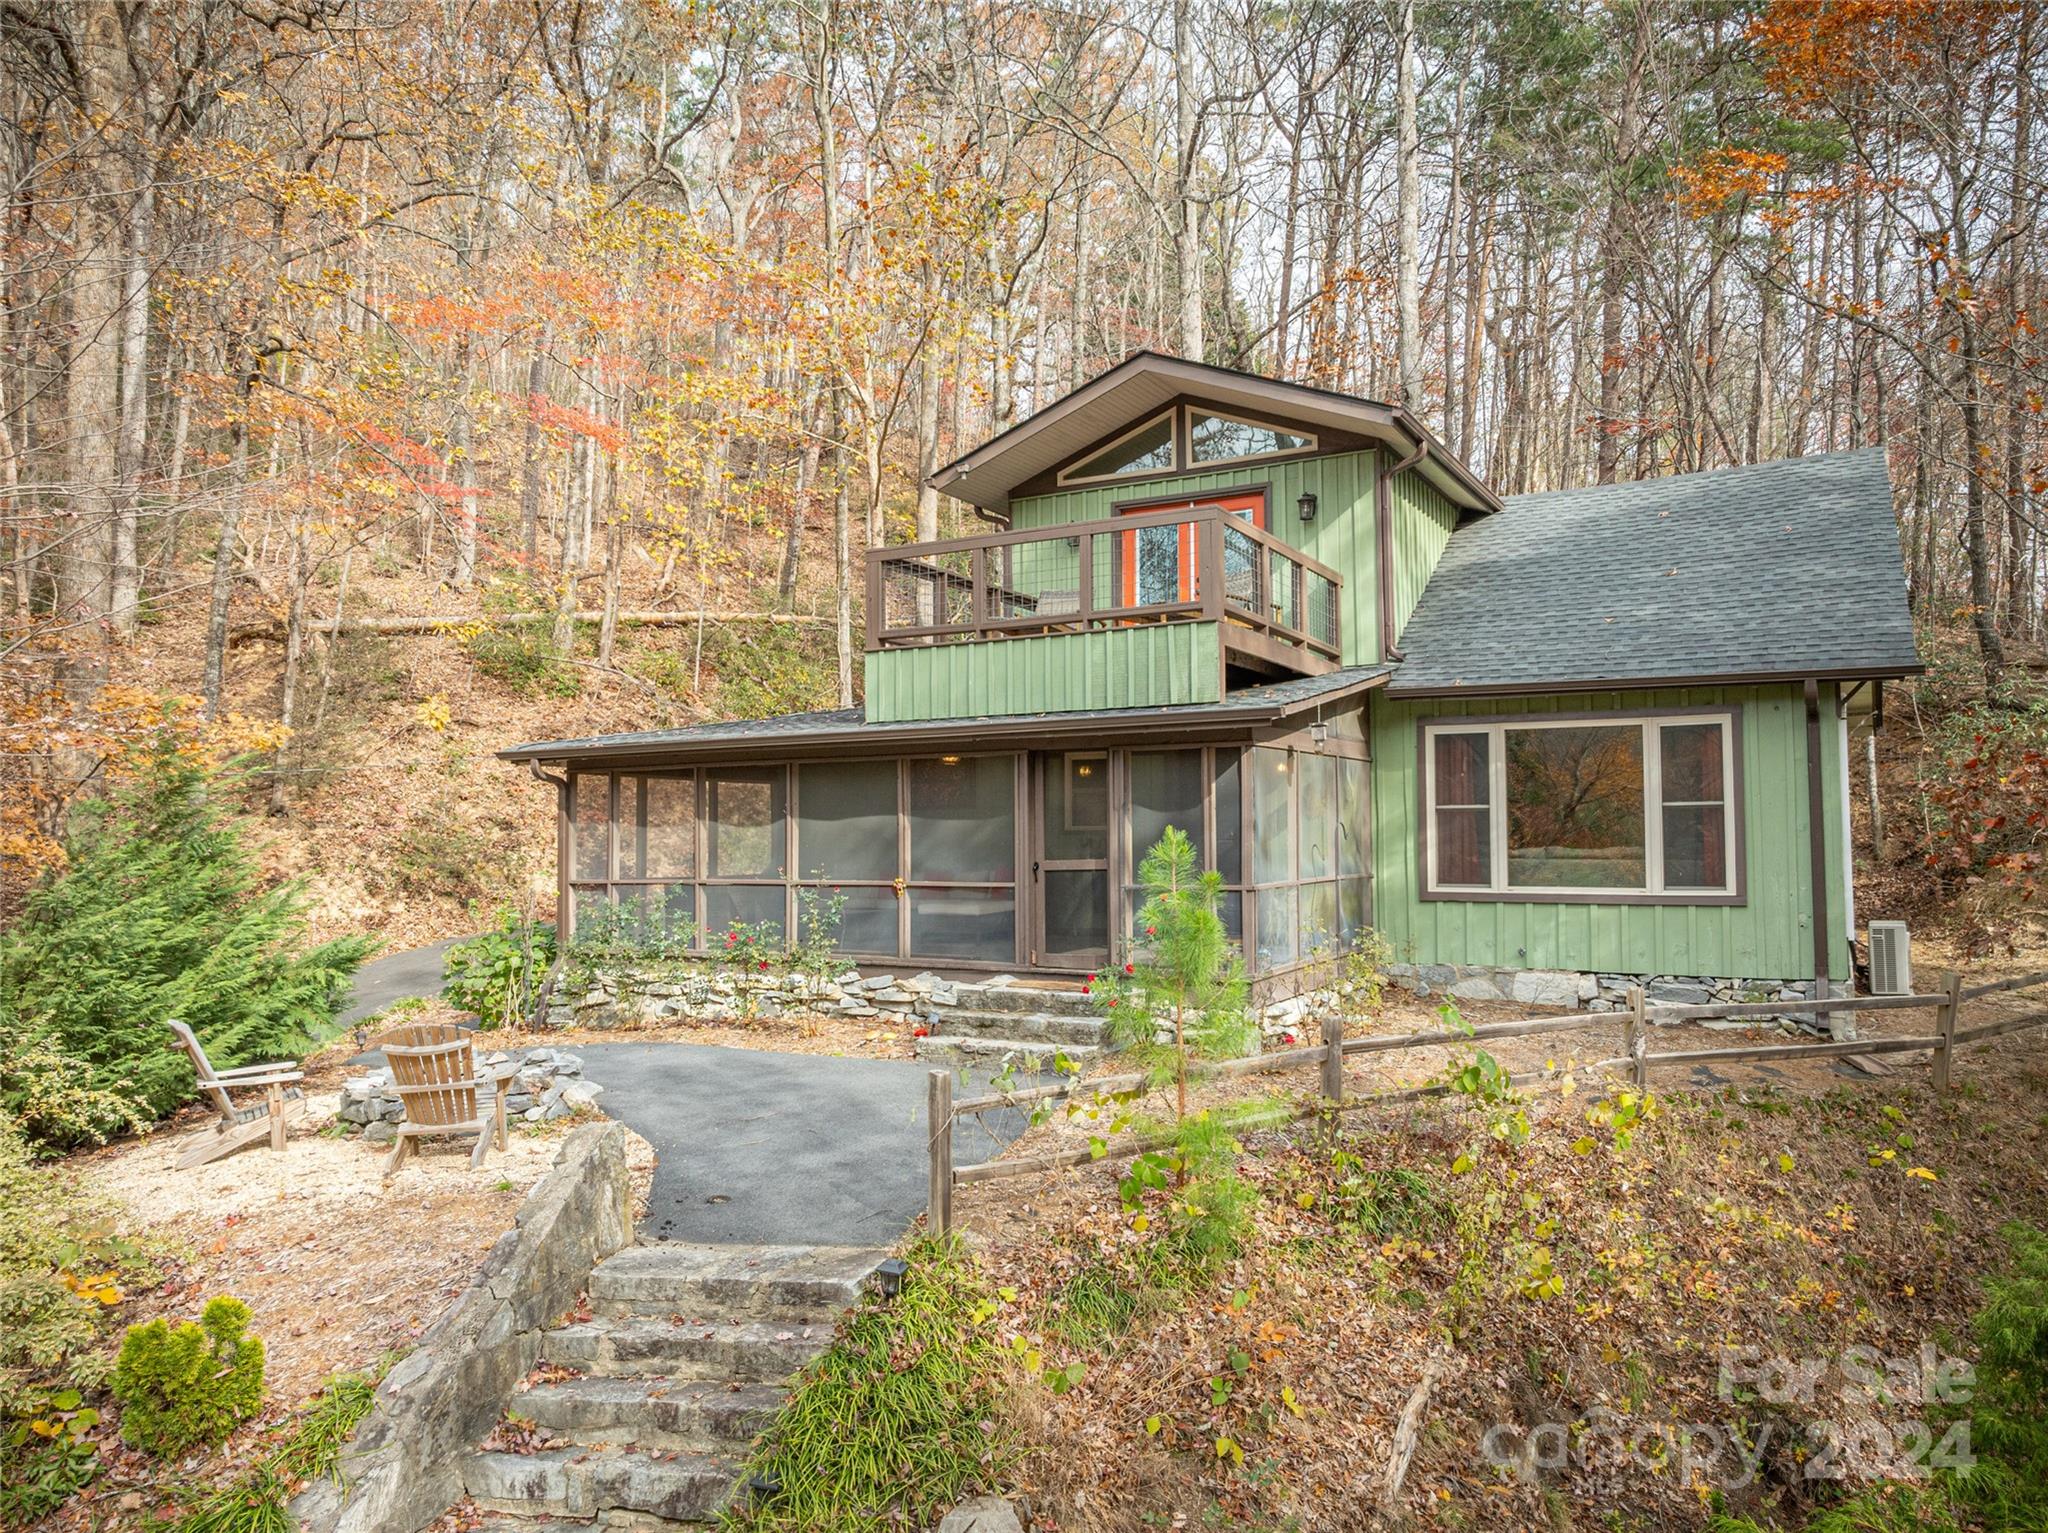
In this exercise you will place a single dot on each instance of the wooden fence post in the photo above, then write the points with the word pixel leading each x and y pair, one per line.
pixel 1635 1035
pixel 1333 1066
pixel 1945 1025
pixel 938 1218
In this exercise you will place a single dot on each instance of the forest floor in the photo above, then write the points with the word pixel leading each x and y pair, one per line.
pixel 1801 1209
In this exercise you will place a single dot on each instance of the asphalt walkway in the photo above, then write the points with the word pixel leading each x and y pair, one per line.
pixel 755 1147
pixel 781 1149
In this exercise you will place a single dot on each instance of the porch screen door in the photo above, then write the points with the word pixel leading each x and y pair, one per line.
pixel 1070 859
pixel 1158 564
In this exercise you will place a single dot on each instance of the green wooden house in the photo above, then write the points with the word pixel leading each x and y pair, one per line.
pixel 1531 742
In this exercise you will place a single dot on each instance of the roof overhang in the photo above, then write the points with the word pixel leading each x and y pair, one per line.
pixel 1639 683
pixel 1121 726
pixel 1145 383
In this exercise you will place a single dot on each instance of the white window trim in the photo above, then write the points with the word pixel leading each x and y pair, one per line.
pixel 1171 416
pixel 1310 440
pixel 1652 726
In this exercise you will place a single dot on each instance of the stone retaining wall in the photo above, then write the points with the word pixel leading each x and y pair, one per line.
pixel 626 995
pixel 403 1468
pixel 1591 992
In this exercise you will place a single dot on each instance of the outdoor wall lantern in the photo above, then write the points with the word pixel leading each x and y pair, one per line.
pixel 1319 732
pixel 1307 506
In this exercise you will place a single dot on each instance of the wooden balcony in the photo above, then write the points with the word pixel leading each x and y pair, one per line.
pixel 1276 609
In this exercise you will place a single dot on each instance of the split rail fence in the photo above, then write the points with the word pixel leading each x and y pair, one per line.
pixel 1328 1056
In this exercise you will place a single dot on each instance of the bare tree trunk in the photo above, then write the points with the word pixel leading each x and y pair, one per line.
pixel 294 652
pixel 227 548
pixel 1613 276
pixel 126 575
pixel 532 469
pixel 614 572
pixel 1407 271
pixel 1187 233
pixel 82 554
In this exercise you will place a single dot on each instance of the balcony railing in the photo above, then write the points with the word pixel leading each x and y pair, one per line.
pixel 1278 607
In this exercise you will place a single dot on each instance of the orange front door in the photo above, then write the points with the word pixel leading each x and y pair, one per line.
pixel 1157 564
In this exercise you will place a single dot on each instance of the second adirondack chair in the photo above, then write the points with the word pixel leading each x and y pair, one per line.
pixel 236 1128
pixel 433 1071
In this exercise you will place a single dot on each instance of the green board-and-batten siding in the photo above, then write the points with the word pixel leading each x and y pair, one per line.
pixel 1154 664
pixel 1423 522
pixel 1769 936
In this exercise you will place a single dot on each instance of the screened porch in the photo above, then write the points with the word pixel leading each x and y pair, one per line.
pixel 1019 860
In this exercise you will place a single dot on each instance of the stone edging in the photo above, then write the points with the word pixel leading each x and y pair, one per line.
pixel 403 1468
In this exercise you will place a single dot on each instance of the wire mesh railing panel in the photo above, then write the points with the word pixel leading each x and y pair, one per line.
pixel 927 591
pixel 1320 598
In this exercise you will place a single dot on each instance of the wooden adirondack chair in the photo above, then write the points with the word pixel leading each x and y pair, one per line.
pixel 236 1128
pixel 433 1070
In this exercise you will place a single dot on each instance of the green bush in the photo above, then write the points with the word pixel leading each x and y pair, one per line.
pixel 62 1271
pixel 524 660
pixel 768 668
pixel 192 1386
pixel 901 1419
pixel 497 974
pixel 161 914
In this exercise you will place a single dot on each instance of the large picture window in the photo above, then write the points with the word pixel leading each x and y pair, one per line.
pixel 1581 809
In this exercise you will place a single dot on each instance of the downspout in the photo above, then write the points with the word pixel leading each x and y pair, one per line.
pixel 1383 516
pixel 564 911
pixel 1817 849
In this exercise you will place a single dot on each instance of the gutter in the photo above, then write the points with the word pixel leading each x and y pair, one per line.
pixel 1383 517
pixel 1200 721
pixel 1627 683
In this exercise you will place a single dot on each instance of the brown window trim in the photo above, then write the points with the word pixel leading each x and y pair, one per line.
pixel 1736 894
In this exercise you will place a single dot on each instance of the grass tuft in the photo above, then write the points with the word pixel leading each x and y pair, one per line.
pixel 902 1419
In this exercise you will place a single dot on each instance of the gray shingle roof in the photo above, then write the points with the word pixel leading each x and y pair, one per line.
pixel 849 727
pixel 1789 568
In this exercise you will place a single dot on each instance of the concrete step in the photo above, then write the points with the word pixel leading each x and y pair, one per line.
pixel 798 1283
pixel 1022 1027
pixel 653 1412
pixel 952 1048
pixel 742 1351
pixel 587 1482
pixel 1034 998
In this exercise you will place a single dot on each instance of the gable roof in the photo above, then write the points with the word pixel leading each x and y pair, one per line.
pixel 1782 569
pixel 840 732
pixel 1143 384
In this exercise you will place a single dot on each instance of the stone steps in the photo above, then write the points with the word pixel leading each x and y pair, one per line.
pixel 749 1351
pixel 1034 1057
pixel 703 1417
pixel 1033 998
pixel 583 1483
pixel 806 1284
pixel 1021 1027
pixel 682 1363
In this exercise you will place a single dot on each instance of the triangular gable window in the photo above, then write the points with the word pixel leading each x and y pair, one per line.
pixel 1146 449
pixel 1216 438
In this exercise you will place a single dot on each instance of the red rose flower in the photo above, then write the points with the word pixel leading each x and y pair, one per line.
pixel 1084 989
pixel 764 963
pixel 1130 968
